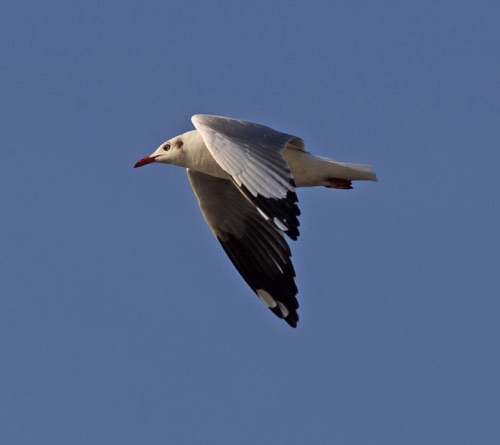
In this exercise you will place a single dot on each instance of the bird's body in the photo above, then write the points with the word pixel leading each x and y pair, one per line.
pixel 307 170
pixel 244 176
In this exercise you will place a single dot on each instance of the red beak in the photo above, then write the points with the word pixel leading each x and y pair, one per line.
pixel 144 161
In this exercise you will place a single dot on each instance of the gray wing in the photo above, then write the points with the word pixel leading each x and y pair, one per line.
pixel 251 155
pixel 255 246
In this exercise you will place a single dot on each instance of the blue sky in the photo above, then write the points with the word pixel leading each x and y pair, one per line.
pixel 121 319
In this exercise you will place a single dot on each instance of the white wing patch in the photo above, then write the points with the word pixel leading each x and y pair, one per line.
pixel 266 298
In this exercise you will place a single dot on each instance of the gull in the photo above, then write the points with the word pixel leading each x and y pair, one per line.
pixel 244 176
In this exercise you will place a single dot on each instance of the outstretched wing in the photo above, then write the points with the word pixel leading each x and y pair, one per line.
pixel 255 246
pixel 251 155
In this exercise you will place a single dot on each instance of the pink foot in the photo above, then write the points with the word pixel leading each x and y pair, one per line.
pixel 335 183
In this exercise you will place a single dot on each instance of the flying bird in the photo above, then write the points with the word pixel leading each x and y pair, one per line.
pixel 244 176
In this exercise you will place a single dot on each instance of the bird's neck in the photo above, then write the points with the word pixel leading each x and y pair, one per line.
pixel 198 158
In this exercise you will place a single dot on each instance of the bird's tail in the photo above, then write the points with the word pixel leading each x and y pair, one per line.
pixel 354 172
pixel 340 174
pixel 310 171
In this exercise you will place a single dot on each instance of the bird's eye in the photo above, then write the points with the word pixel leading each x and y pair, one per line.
pixel 166 147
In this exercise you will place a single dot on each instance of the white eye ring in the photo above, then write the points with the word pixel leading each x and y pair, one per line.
pixel 166 147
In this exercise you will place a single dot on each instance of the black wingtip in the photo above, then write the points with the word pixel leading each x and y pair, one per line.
pixel 292 318
pixel 293 233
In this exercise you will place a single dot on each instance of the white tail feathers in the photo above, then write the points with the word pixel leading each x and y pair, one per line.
pixel 310 171
pixel 354 172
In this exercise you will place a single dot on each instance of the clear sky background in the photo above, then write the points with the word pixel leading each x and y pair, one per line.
pixel 121 319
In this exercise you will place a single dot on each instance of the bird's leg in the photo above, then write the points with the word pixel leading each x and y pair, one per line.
pixel 336 183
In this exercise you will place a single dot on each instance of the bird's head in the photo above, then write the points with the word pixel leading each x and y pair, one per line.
pixel 170 152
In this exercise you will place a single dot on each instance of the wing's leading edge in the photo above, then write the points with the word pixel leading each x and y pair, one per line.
pixel 251 155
